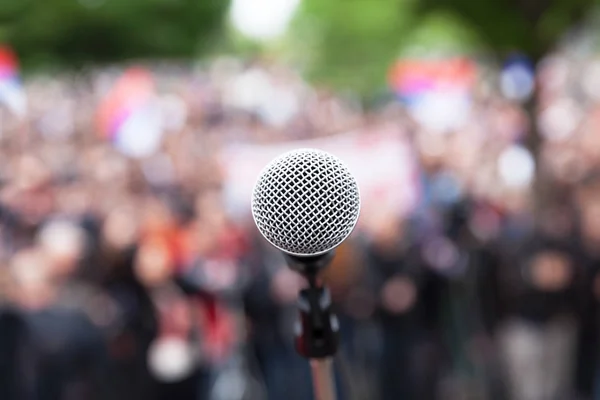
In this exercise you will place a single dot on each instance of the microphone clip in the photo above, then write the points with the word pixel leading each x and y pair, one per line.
pixel 317 328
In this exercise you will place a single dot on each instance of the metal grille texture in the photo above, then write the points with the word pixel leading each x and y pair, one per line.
pixel 306 202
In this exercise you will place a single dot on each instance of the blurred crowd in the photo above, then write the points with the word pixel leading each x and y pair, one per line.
pixel 129 278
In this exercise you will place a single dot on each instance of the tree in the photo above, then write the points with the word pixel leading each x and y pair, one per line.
pixel 74 32
pixel 352 43
pixel 532 27
pixel 349 43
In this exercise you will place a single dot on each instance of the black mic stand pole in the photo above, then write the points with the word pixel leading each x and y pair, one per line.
pixel 317 328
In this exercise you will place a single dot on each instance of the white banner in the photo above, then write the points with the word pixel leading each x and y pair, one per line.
pixel 381 161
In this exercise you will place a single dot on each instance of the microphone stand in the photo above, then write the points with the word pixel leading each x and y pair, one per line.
pixel 317 328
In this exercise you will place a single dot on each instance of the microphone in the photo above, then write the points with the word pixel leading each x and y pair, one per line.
pixel 306 203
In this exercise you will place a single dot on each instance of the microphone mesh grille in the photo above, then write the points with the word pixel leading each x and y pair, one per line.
pixel 306 202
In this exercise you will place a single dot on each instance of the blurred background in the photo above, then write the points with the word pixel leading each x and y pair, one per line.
pixel 131 135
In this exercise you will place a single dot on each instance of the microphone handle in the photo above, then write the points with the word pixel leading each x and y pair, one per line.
pixel 323 380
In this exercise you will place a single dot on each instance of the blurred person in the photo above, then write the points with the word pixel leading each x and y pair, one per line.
pixel 452 229
pixel 540 292
pixel 354 305
pixel 64 244
pixel 459 255
pixel 215 278
pixel 406 311
pixel 118 247
pixel 270 306
pixel 80 276
pixel 170 335
pixel 27 200
pixel 587 195
pixel 171 357
pixel 13 385
pixel 66 348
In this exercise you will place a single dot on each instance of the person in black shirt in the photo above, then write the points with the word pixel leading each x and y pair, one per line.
pixel 404 311
pixel 270 306
pixel 61 353
pixel 540 288
pixel 460 258
pixel 587 197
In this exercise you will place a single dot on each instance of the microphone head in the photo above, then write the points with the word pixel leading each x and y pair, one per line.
pixel 305 202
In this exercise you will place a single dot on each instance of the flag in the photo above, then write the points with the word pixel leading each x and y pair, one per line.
pixel 12 94
pixel 436 92
pixel 411 78
pixel 130 117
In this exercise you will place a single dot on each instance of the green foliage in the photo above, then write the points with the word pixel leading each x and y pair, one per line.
pixel 530 26
pixel 352 43
pixel 74 32
pixel 441 32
